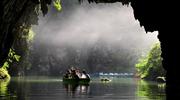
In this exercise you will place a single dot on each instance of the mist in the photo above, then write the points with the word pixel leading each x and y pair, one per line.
pixel 95 37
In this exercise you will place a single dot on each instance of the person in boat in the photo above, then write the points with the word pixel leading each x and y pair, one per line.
pixel 74 75
pixel 67 74
pixel 78 73
pixel 70 73
pixel 85 75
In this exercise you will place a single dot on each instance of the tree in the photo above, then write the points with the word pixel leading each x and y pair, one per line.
pixel 150 66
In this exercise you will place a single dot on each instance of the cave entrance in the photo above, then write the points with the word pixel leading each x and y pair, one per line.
pixel 104 39
pixel 92 35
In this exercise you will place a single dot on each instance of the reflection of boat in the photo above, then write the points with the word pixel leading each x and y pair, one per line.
pixel 76 81
pixel 76 89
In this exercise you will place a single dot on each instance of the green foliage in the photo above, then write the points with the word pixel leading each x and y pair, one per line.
pixel 30 35
pixel 57 4
pixel 150 66
pixel 4 75
pixel 22 46
pixel 12 56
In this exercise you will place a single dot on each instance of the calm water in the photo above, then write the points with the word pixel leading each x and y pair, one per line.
pixel 44 88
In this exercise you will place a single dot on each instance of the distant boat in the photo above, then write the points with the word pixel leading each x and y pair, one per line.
pixel 105 80
pixel 161 79
pixel 76 81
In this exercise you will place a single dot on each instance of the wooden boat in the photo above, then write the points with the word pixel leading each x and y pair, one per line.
pixel 76 81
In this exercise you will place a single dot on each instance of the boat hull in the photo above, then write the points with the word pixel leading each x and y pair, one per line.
pixel 76 81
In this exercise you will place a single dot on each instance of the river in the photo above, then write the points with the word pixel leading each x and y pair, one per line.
pixel 50 88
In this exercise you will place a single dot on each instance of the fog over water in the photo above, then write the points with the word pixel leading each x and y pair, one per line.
pixel 89 30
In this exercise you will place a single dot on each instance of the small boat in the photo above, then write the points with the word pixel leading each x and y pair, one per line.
pixel 105 80
pixel 161 79
pixel 76 81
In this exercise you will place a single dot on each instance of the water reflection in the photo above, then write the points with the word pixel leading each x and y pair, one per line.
pixel 76 90
pixel 151 90
pixel 3 88
pixel 50 89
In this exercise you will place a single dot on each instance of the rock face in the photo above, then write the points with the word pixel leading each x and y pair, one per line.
pixel 161 16
pixel 15 15
pixel 154 15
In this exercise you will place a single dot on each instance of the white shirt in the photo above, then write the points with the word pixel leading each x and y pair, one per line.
pixel 83 76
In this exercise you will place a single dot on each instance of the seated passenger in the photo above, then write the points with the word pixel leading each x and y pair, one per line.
pixel 78 73
pixel 85 75
pixel 74 75
pixel 67 74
